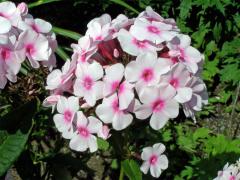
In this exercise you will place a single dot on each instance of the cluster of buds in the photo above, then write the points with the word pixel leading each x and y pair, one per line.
pixel 229 172
pixel 23 37
pixel 125 70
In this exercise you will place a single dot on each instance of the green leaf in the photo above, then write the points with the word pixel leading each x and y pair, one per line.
pixel 66 33
pixel 62 54
pixel 185 7
pixel 102 144
pixel 201 133
pixel 217 30
pixel 131 169
pixel 15 128
pixel 41 2
pixel 167 135
pixel 210 48
pixel 230 73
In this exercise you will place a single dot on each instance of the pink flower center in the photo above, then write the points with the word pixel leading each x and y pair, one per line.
pixel 30 49
pixel 147 74
pixel 114 85
pixel 174 82
pixel 82 57
pixel 67 116
pixel 232 178
pixel 153 29
pixel 5 54
pixel 140 44
pixel 87 83
pixel 121 88
pixel 153 159
pixel 83 131
pixel 115 105
pixel 99 38
pixel 158 105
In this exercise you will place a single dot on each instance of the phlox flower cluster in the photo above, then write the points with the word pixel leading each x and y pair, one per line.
pixel 123 71
pixel 23 37
pixel 229 172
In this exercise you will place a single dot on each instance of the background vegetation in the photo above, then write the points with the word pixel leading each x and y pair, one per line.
pixel 31 148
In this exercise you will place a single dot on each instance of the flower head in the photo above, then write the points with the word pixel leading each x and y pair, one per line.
pixel 83 137
pixel 154 160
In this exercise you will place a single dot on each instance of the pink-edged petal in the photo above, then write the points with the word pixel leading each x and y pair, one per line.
pixel 62 104
pixel 183 94
pixel 92 144
pixel 132 72
pixel 127 42
pixel 142 111
pixel 171 108
pixel 73 103
pixel 78 143
pixel 82 121
pixel 3 81
pixel 78 88
pixel 104 112
pixel 114 72
pixel 162 162
pixel 43 26
pixel 155 170
pixel 166 91
pixel 185 41
pixel 95 125
pixel 68 134
pixel 90 98
pixel 158 120
pixel 95 70
pixel 126 95
pixel 121 121
pixel 98 90
pixel 59 122
pixel 5 25
pixel 192 54
pixel 149 95
pixel 146 153
pixel 158 148
pixel 145 167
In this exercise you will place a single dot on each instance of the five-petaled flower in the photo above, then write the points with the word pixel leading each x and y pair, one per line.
pixel 154 160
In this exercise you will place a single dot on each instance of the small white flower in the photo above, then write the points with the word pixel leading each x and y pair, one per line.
pixel 109 112
pixel 154 160
pixel 158 103
pixel 83 137
pixel 87 84
pixel 67 109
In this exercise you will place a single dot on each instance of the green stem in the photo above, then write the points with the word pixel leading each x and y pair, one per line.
pixel 121 176
pixel 41 2
pixel 66 33
pixel 23 70
pixel 61 53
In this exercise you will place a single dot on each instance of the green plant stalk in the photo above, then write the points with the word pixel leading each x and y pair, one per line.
pixel 62 54
pixel 23 71
pixel 233 111
pixel 66 33
pixel 124 4
pixel 121 176
pixel 41 2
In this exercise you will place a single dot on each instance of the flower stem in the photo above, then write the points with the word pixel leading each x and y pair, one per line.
pixel 121 174
pixel 66 33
